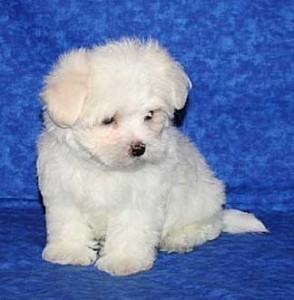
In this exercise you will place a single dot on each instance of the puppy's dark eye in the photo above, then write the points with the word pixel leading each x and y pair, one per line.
pixel 149 116
pixel 108 121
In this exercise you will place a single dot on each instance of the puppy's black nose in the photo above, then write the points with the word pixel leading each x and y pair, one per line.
pixel 137 149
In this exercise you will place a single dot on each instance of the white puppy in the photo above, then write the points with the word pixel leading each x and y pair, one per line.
pixel 112 169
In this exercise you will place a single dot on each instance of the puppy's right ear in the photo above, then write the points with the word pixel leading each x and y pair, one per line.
pixel 66 87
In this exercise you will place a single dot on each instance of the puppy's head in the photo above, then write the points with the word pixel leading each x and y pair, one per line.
pixel 116 100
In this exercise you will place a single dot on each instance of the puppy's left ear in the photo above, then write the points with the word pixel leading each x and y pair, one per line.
pixel 171 81
pixel 180 85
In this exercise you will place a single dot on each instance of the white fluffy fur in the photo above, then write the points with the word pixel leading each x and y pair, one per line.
pixel 95 192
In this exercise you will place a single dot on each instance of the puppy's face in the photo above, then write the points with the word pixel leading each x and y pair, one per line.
pixel 116 100
pixel 126 138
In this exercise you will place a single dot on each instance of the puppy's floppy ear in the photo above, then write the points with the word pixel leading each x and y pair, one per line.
pixel 171 80
pixel 66 87
pixel 180 84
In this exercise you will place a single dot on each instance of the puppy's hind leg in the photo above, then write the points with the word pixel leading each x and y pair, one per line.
pixel 185 238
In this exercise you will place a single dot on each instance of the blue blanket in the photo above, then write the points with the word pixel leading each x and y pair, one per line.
pixel 239 56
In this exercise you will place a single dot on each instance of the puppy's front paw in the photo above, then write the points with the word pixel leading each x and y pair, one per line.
pixel 62 253
pixel 121 266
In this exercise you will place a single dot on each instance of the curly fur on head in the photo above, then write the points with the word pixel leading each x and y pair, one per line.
pixel 128 70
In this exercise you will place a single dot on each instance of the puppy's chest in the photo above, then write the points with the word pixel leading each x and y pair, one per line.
pixel 108 190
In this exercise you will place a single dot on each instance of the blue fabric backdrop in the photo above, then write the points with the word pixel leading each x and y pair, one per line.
pixel 239 56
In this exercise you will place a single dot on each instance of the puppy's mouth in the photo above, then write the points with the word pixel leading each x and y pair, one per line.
pixel 127 165
pixel 136 157
pixel 129 161
pixel 133 158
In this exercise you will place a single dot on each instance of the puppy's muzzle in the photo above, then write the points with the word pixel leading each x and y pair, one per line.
pixel 137 149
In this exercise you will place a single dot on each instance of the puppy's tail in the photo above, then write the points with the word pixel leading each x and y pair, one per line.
pixel 236 221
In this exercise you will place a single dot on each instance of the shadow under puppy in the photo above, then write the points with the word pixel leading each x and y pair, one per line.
pixel 112 167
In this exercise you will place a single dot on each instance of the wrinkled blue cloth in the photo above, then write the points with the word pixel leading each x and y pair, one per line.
pixel 249 266
pixel 239 56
